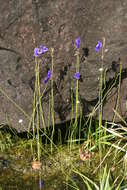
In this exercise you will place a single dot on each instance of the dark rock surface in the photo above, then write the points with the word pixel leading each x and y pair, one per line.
pixel 25 25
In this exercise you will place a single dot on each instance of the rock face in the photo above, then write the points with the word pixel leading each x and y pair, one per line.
pixel 25 25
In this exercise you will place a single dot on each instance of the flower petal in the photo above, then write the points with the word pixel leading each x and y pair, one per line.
pixel 77 76
pixel 47 78
pixel 36 50
pixel 98 46
pixel 77 42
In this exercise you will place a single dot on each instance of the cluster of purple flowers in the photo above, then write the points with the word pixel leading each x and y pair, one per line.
pixel 44 49
pixel 77 44
pixel 39 51
pixel 97 49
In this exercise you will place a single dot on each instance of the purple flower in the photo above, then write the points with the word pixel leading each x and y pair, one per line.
pixel 41 183
pixel 39 51
pixel 43 49
pixel 49 74
pixel 77 76
pixel 98 46
pixel 77 42
pixel 36 50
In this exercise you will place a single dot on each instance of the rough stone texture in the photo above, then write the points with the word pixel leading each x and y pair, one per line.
pixel 27 24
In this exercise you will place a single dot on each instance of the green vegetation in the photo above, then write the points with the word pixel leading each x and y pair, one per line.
pixel 92 157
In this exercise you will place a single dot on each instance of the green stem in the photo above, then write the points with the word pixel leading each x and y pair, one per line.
pixel 118 96
pixel 52 96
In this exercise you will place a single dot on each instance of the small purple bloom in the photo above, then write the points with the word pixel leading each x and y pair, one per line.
pixel 47 77
pixel 77 76
pixel 41 183
pixel 98 46
pixel 36 50
pixel 77 42
pixel 39 51
pixel 43 49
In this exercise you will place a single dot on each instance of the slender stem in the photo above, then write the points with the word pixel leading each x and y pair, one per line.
pixel 118 96
pixel 77 96
pixel 101 98
pixel 52 96
pixel 38 113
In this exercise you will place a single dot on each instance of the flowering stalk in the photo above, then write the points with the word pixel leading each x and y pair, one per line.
pixel 77 77
pixel 36 107
pixel 39 109
pixel 52 96
pixel 77 86
pixel 37 98
pixel 100 47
